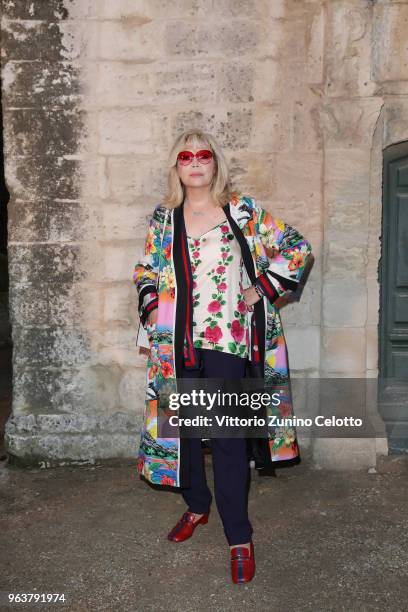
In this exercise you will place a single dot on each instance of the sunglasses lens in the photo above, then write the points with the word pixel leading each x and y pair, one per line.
pixel 185 157
pixel 204 156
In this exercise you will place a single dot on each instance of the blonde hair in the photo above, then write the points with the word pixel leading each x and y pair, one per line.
pixel 220 184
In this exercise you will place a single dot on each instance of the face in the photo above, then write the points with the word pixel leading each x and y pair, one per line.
pixel 196 174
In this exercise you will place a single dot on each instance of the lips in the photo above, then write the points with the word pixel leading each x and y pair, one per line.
pixel 196 174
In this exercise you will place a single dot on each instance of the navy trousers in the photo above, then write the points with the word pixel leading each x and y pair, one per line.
pixel 229 457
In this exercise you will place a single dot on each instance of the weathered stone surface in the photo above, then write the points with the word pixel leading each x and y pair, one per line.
pixel 94 94
pixel 344 453
pixel 132 39
pixel 26 83
pixel 54 221
pixel 349 53
pixel 344 303
pixel 39 346
pixel 224 38
pixel 117 139
pixel 28 221
pixel 42 131
pixel 345 255
pixel 350 123
pixel 54 177
pixel 235 81
pixel 303 347
pixel 231 128
pixel 28 304
pixel 396 122
pixel 133 180
pixel 347 175
pixel 43 263
pixel 54 449
pixel 390 59
pixel 343 351
pixel 24 40
pixel 50 10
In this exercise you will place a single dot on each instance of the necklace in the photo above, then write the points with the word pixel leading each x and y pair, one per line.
pixel 196 213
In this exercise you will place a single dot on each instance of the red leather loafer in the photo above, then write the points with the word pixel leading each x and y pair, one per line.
pixel 185 527
pixel 242 564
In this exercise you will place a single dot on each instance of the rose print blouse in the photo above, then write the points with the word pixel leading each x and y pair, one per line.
pixel 219 309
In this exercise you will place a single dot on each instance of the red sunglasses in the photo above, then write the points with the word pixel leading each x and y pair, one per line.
pixel 186 157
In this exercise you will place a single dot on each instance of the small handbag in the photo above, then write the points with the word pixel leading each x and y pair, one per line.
pixel 142 339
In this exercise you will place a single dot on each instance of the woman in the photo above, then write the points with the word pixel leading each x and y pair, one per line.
pixel 214 269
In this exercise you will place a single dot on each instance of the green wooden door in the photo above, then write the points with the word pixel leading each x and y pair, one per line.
pixel 393 336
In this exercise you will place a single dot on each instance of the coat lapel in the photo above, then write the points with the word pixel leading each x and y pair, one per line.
pixel 257 349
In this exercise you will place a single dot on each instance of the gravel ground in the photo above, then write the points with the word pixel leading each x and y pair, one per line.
pixel 323 541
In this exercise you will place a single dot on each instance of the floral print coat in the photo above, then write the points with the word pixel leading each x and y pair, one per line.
pixel 275 256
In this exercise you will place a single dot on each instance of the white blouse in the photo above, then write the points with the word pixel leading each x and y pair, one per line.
pixel 219 309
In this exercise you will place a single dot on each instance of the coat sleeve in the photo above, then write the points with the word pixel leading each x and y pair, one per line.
pixel 146 270
pixel 288 253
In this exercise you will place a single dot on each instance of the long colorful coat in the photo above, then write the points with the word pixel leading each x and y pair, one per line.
pixel 275 256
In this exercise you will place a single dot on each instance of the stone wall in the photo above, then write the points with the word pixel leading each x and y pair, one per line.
pixel 303 96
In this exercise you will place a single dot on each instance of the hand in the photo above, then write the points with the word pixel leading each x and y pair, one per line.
pixel 251 297
pixel 152 318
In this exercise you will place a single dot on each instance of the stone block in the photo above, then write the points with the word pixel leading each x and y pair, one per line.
pixel 81 304
pixel 132 391
pixel 300 178
pixel 28 303
pixel 348 57
pixel 48 11
pixel 119 261
pixel 117 303
pixel 271 131
pixel 389 39
pixel 133 39
pixel 54 177
pixel 253 174
pixel 268 80
pixel 395 122
pixel 350 124
pixel 307 134
pixel 308 310
pixel 345 255
pixel 303 347
pixel 27 221
pixel 344 453
pixel 35 83
pixel 343 351
pixel 134 179
pixel 346 214
pixel 44 263
pixel 123 132
pixel 232 128
pixel 128 9
pixel 208 39
pixel 39 346
pixel 235 81
pixel 42 131
pixel 123 222
pixel 344 303
pixel 347 176
pixel 51 450
pixel 66 40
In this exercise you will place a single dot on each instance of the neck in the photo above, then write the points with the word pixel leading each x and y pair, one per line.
pixel 198 198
